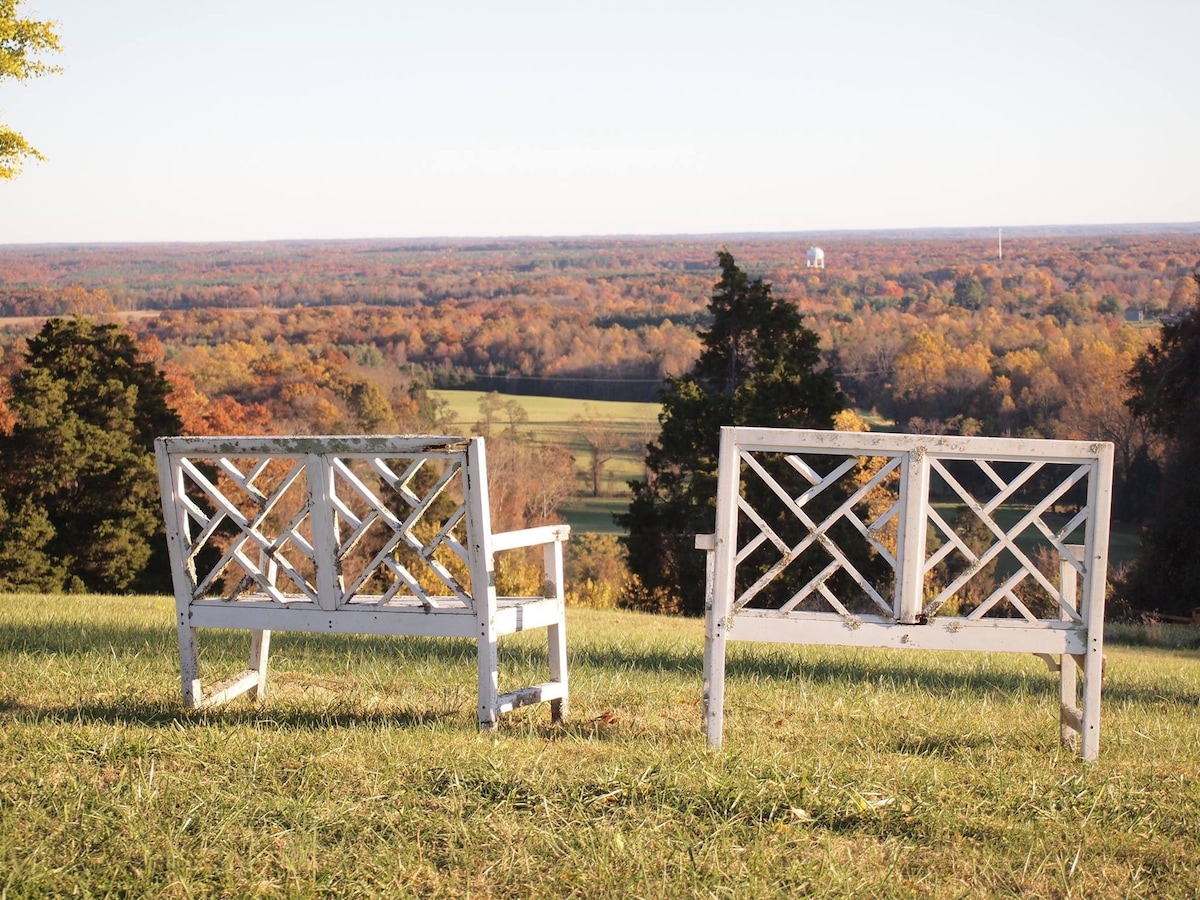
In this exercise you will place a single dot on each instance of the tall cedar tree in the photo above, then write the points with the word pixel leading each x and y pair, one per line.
pixel 1165 382
pixel 78 489
pixel 758 367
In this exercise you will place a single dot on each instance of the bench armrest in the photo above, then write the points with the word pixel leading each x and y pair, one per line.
pixel 530 537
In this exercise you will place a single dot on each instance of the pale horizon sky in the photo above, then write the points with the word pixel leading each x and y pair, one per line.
pixel 273 120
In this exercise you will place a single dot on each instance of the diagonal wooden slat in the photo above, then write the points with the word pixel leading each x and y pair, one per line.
pixel 404 532
pixel 248 531
pixel 1006 540
pixel 817 533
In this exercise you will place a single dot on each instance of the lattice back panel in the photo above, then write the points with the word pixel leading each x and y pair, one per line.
pixel 907 528
pixel 364 522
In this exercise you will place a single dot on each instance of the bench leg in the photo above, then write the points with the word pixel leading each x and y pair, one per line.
pixel 1068 702
pixel 1093 674
pixel 488 682
pixel 556 634
pixel 714 680
pixel 260 649
pixel 252 682
pixel 714 657
pixel 189 666
pixel 556 638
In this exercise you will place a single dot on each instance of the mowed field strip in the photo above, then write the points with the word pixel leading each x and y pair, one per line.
pixel 550 421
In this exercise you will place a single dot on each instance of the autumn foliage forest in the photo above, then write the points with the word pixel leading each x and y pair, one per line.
pixel 931 331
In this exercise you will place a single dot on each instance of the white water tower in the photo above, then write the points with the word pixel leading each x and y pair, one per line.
pixel 816 258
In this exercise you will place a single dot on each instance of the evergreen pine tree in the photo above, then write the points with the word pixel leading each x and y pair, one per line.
pixel 77 471
pixel 24 564
pixel 1166 392
pixel 758 367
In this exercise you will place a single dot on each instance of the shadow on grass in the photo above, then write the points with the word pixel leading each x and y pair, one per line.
pixel 85 638
pixel 942 746
pixel 903 670
pixel 239 714
pixel 899 670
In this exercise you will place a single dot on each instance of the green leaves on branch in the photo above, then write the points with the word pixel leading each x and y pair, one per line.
pixel 13 148
pixel 22 42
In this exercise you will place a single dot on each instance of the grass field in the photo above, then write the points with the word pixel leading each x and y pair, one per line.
pixel 845 773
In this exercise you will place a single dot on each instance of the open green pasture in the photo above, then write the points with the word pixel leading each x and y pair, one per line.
pixel 550 421
pixel 846 773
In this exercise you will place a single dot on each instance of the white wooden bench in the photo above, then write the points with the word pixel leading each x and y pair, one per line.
pixel 348 534
pixel 913 542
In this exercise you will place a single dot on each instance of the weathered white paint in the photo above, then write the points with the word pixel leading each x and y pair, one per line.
pixel 348 534
pixel 1015 479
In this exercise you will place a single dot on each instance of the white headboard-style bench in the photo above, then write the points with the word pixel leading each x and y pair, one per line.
pixel 355 534
pixel 912 542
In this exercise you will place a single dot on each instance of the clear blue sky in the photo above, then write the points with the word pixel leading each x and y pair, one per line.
pixel 266 119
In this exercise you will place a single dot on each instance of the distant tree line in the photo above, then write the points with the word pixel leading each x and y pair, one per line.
pixel 1032 347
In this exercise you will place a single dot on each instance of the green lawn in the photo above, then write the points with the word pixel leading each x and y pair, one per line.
pixel 846 773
